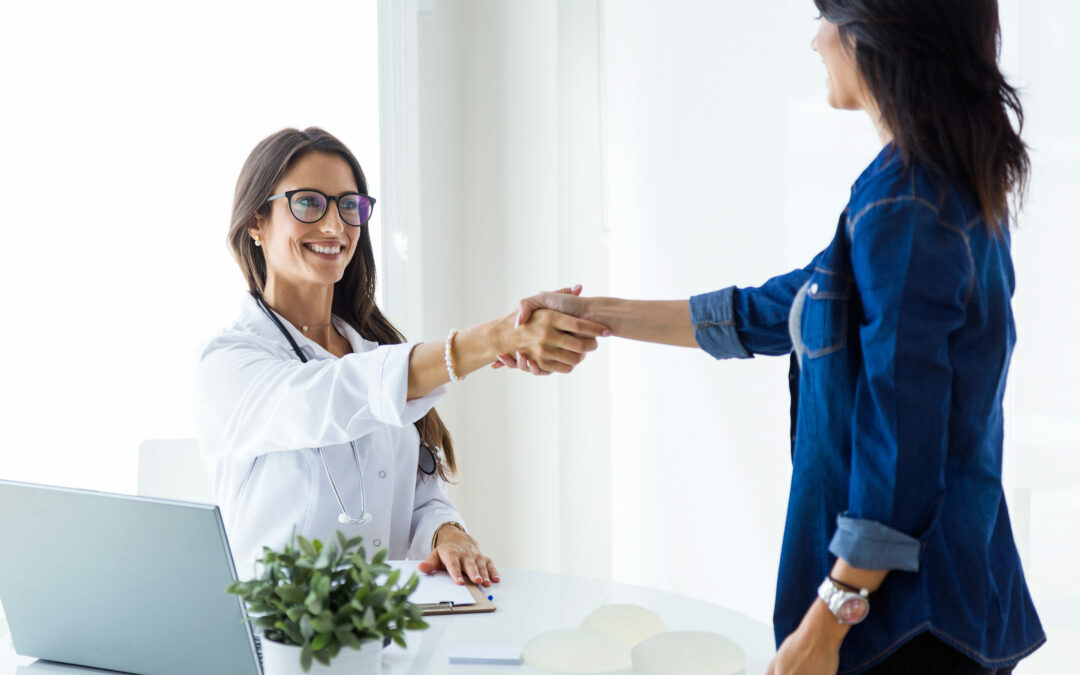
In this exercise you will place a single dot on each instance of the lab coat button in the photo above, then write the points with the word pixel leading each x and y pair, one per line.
pixel 813 289
pixel 382 474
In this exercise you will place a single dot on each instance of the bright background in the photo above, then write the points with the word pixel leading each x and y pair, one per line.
pixel 643 148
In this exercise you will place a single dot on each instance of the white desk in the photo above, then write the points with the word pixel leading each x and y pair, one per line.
pixel 529 603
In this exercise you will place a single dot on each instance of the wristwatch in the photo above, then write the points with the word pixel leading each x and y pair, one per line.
pixel 848 607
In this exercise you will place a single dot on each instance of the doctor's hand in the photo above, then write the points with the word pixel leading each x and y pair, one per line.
pixel 564 302
pixel 459 554
pixel 549 342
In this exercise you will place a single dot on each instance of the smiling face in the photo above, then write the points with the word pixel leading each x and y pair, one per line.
pixel 845 88
pixel 302 254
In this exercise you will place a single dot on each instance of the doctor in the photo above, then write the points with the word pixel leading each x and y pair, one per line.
pixel 313 411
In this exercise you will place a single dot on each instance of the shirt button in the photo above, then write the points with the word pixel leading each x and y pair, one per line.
pixel 377 543
pixel 382 474
pixel 813 289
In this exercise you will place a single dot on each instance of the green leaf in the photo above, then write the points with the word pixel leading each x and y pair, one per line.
pixel 295 612
pixel 290 630
pixel 346 637
pixel 393 578
pixel 324 623
pixel 306 547
pixel 416 624
pixel 379 597
pixel 380 557
pixel 313 603
pixel 289 593
pixel 305 658
pixel 320 641
pixel 306 629
pixel 327 619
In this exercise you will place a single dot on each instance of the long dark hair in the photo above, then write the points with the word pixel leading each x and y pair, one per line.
pixel 931 67
pixel 354 294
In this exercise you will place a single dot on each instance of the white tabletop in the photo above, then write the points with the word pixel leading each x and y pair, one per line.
pixel 529 603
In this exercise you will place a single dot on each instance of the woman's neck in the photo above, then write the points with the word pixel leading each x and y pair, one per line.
pixel 307 307
pixel 884 135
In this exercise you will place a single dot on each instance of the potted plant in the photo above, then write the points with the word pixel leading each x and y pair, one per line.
pixel 324 603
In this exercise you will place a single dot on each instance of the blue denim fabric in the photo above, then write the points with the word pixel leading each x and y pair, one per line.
pixel 904 332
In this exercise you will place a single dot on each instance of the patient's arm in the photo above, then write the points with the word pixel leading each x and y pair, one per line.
pixel 663 321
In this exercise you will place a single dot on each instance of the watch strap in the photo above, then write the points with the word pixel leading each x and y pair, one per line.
pixel 835 596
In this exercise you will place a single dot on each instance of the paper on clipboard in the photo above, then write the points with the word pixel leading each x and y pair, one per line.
pixel 438 594
pixel 434 588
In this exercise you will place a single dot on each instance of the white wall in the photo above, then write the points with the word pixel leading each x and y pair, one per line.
pixel 126 124
pixel 656 150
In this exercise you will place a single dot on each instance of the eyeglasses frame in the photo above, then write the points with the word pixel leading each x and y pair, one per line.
pixel 288 195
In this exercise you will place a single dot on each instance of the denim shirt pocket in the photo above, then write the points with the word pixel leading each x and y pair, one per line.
pixel 824 316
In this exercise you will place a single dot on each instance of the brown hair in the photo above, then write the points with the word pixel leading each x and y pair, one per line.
pixel 354 294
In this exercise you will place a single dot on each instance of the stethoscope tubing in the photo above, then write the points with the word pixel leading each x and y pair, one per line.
pixel 345 516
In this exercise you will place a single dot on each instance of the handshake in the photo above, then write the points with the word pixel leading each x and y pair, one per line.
pixel 551 333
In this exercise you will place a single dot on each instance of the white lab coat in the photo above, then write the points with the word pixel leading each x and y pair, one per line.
pixel 262 414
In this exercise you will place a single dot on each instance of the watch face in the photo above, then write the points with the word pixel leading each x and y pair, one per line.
pixel 853 610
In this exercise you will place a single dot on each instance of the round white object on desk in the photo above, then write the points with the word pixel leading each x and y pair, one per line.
pixel 629 623
pixel 577 651
pixel 689 653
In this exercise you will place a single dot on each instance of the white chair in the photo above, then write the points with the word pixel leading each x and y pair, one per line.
pixel 172 468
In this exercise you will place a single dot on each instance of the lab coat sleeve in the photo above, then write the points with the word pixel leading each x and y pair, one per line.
pixel 253 400
pixel 433 508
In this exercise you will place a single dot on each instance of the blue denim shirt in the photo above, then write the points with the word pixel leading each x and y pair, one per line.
pixel 904 329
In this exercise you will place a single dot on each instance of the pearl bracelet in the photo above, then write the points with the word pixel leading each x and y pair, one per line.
pixel 448 356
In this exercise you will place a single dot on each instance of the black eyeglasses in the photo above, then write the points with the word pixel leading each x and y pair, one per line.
pixel 309 206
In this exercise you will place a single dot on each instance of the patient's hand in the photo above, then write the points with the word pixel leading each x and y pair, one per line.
pixel 564 301
pixel 550 341
pixel 459 554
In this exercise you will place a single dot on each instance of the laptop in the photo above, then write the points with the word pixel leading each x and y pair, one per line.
pixel 122 583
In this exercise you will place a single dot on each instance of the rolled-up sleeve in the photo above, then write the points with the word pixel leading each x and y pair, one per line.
pixel 714 324
pixel 913 275
pixel 740 322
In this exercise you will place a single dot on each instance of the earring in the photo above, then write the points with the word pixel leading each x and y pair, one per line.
pixel 258 242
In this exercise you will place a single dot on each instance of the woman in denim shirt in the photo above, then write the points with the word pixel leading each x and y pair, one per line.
pixel 903 330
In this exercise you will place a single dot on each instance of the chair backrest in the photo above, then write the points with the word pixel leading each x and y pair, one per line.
pixel 172 468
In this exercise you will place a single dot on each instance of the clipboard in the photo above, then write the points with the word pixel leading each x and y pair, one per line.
pixel 482 605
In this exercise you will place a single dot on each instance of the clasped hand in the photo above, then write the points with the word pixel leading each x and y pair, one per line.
pixel 550 340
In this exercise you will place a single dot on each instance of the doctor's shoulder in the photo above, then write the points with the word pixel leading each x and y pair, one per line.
pixel 240 341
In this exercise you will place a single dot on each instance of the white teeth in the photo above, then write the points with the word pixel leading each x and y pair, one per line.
pixel 329 250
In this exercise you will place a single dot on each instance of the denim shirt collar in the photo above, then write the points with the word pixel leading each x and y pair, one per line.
pixel 888 156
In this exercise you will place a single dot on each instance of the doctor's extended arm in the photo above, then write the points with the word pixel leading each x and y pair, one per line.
pixel 253 398
pixel 554 341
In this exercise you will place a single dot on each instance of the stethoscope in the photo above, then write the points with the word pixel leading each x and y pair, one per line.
pixel 428 467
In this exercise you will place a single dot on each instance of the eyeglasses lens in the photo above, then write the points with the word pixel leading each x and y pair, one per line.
pixel 355 209
pixel 308 207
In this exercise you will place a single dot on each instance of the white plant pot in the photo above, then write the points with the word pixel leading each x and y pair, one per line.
pixel 279 659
